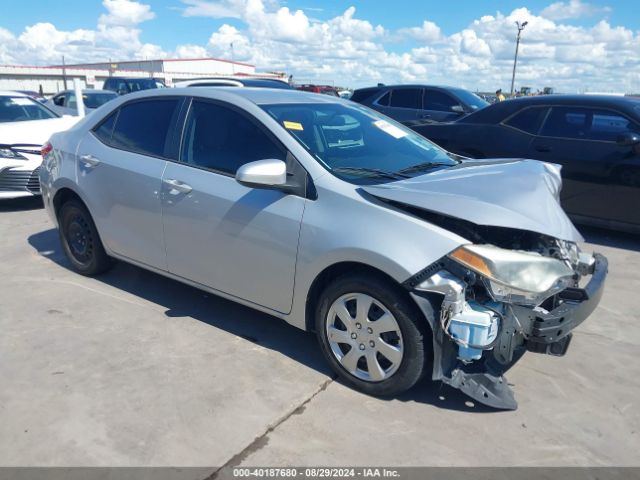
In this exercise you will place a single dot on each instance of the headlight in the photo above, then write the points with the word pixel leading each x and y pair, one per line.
pixel 10 154
pixel 515 277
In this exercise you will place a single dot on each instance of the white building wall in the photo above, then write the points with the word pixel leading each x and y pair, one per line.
pixel 51 79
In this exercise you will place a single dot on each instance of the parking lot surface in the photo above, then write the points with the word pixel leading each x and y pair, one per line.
pixel 133 369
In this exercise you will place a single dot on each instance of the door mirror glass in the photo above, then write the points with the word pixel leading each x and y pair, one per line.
pixel 262 173
pixel 457 108
pixel 628 139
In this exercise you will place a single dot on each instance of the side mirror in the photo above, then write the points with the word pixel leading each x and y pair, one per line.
pixel 262 173
pixel 457 109
pixel 628 139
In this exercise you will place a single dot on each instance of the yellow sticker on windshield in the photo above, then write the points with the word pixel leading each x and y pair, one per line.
pixel 292 125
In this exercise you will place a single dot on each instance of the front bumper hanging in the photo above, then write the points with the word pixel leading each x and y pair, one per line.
pixel 549 332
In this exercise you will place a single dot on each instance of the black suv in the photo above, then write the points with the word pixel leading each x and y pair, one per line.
pixel 416 104
pixel 123 85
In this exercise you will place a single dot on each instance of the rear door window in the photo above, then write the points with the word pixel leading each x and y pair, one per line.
pixel 528 120
pixel 143 126
pixel 406 98
pixel 105 128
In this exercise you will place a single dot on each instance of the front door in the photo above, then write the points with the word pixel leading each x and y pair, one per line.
pixel 594 166
pixel 238 240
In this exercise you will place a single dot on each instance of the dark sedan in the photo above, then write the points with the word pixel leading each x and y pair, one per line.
pixel 596 139
pixel 416 104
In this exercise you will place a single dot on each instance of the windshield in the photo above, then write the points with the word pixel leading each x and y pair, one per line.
pixel 471 99
pixel 358 144
pixel 21 109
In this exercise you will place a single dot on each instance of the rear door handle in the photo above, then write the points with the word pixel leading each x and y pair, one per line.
pixel 89 160
pixel 543 148
pixel 178 185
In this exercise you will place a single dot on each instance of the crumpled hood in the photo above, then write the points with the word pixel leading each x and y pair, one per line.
pixel 509 193
pixel 33 132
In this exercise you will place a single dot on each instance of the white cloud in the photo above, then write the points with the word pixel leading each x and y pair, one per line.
pixel 221 9
pixel 116 36
pixel 125 12
pixel 571 10
pixel 427 32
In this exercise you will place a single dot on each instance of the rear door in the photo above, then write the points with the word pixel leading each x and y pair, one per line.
pixel 594 166
pixel 120 166
pixel 238 240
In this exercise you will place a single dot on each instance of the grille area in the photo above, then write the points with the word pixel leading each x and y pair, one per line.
pixel 33 185
pixel 19 180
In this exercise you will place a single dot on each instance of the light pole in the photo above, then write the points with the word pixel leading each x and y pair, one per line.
pixel 515 60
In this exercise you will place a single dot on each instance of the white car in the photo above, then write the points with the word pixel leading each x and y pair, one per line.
pixel 25 125
pixel 64 103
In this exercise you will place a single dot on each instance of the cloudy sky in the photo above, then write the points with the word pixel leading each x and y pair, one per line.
pixel 572 45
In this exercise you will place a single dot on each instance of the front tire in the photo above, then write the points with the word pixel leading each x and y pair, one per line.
pixel 372 335
pixel 80 240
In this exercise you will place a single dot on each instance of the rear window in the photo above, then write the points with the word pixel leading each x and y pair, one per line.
pixel 91 100
pixel 143 127
pixel 95 100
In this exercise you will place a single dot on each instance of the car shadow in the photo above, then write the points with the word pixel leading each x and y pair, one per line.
pixel 21 204
pixel 611 238
pixel 181 300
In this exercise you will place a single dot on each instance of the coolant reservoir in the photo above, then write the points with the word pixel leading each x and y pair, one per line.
pixel 475 328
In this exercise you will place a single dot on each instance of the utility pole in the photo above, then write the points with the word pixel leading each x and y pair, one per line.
pixel 233 65
pixel 64 73
pixel 515 60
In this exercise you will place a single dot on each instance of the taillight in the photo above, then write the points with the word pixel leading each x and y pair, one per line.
pixel 46 149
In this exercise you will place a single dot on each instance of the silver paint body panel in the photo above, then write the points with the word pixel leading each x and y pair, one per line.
pixel 262 247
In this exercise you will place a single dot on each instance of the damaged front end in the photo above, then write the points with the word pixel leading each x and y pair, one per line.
pixel 515 291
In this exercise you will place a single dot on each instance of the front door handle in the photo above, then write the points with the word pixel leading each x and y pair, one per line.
pixel 543 148
pixel 89 160
pixel 178 185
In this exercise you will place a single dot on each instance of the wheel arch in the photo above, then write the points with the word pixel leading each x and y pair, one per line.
pixel 62 196
pixel 336 270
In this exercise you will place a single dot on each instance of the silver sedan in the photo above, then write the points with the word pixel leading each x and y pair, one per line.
pixel 407 261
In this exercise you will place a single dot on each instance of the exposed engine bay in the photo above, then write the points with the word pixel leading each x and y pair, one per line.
pixel 508 292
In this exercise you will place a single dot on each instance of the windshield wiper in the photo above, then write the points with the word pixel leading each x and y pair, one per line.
pixel 371 172
pixel 422 167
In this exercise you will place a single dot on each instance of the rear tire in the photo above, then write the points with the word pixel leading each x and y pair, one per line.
pixel 80 240
pixel 372 334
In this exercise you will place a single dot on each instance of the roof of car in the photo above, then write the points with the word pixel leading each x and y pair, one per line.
pixel 88 90
pixel 12 93
pixel 500 110
pixel 259 96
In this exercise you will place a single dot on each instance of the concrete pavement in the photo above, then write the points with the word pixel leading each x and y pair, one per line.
pixel 134 369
